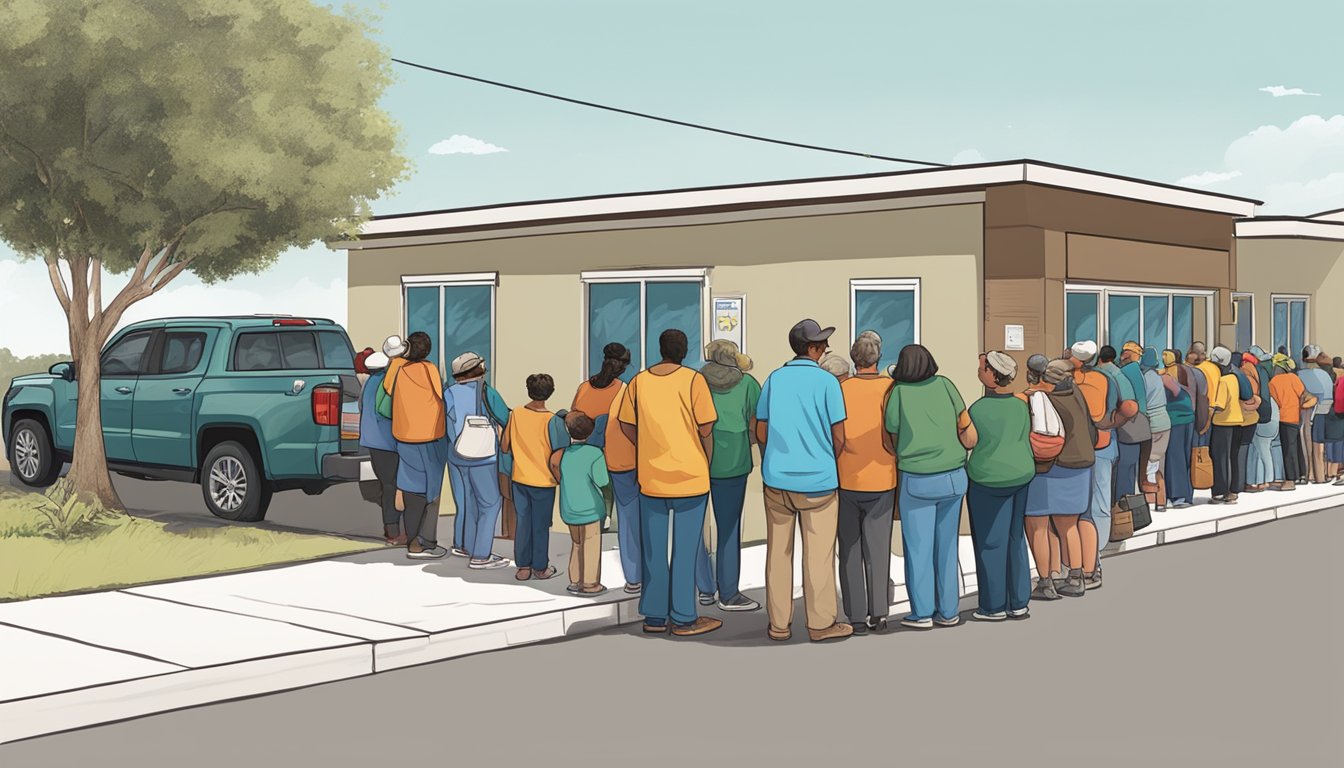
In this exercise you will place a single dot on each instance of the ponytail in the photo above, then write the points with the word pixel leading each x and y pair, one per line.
pixel 615 359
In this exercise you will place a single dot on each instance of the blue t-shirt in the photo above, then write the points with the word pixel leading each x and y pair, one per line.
pixel 1134 375
pixel 375 432
pixel 800 403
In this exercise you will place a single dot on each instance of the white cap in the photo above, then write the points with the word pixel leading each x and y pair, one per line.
pixel 394 346
pixel 1221 355
pixel 1084 351
pixel 465 362
pixel 376 361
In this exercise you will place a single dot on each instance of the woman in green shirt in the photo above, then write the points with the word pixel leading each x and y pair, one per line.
pixel 735 393
pixel 931 430
pixel 1000 468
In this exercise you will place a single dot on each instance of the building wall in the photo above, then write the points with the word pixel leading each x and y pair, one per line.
pixel 788 268
pixel 1314 268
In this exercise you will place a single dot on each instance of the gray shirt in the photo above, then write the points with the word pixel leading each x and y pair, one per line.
pixel 1155 392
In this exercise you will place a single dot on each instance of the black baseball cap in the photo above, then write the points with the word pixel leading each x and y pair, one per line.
pixel 808 332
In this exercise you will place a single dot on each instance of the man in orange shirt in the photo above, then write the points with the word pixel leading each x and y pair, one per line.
pixel 1103 404
pixel 1287 390
pixel 668 413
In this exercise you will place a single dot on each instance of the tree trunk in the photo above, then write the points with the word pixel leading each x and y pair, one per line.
pixel 88 468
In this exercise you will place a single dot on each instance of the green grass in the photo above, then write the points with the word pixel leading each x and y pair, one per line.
pixel 125 551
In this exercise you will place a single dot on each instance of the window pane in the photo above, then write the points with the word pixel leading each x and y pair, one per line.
pixel 613 315
pixel 1080 323
pixel 422 314
pixel 1182 323
pixel 1280 324
pixel 891 314
pixel 257 352
pixel 181 352
pixel 673 305
pixel 336 352
pixel 1122 320
pixel 1245 330
pixel 1297 336
pixel 300 350
pixel 124 359
pixel 466 322
pixel 1155 322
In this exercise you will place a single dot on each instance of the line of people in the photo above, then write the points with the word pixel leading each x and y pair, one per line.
pixel 844 451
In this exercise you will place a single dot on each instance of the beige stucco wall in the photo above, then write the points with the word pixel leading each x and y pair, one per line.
pixel 1314 268
pixel 788 268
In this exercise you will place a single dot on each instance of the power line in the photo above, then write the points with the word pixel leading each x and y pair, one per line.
pixel 669 120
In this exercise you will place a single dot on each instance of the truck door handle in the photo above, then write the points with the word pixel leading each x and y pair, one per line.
pixel 182 390
pixel 124 390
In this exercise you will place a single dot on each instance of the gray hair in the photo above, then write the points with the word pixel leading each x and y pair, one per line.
pixel 866 351
pixel 834 365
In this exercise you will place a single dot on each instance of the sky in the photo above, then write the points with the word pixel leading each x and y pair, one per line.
pixel 1245 98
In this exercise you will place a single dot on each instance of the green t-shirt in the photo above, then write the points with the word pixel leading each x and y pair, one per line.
pixel 923 419
pixel 1002 457
pixel 732 432
pixel 583 474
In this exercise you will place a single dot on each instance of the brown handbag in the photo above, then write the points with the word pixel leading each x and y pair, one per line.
pixel 1201 468
pixel 1122 524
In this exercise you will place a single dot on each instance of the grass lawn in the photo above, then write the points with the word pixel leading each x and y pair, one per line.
pixel 126 551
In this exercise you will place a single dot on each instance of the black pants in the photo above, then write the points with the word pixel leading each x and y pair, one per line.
pixel 385 469
pixel 1242 456
pixel 1223 453
pixel 1290 437
pixel 422 518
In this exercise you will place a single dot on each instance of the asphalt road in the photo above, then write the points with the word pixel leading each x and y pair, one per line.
pixel 1222 652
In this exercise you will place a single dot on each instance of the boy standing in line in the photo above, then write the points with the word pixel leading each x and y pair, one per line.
pixel 534 436
pixel 581 470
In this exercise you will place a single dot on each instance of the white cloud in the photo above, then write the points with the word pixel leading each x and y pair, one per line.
pixel 1208 177
pixel 1295 170
pixel 1278 90
pixel 968 157
pixel 458 144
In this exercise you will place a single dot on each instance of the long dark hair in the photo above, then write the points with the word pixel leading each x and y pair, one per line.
pixel 615 359
pixel 418 347
pixel 914 365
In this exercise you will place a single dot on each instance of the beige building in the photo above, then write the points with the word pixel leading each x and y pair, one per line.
pixel 1022 256
pixel 1290 286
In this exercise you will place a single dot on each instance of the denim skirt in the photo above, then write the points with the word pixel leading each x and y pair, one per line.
pixel 1061 491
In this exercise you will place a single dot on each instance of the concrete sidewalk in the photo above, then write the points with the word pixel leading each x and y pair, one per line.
pixel 71 662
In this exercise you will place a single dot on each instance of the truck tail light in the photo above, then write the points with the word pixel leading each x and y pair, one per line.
pixel 327 406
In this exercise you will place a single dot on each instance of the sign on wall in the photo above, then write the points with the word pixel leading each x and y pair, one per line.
pixel 730 319
pixel 1013 337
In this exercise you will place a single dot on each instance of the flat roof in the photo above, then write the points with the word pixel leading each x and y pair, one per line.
pixel 1307 227
pixel 1333 215
pixel 819 190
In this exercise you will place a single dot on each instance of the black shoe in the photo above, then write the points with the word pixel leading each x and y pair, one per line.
pixel 877 626
pixel 859 628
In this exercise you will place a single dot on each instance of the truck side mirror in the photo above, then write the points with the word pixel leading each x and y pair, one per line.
pixel 63 370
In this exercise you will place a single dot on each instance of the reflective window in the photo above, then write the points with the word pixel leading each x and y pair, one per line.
pixel 422 314
pixel 467 315
pixel 336 352
pixel 1290 318
pixel 890 312
pixel 1080 317
pixel 1122 320
pixel 299 349
pixel 1182 322
pixel 671 305
pixel 1155 322
pixel 613 315
pixel 257 352
pixel 1244 308
pixel 181 352
pixel 126 357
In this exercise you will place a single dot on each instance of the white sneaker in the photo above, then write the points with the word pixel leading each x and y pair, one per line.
pixel 952 622
pixel 978 616
pixel 913 623
pixel 494 562
pixel 433 553
pixel 1018 613
pixel 460 552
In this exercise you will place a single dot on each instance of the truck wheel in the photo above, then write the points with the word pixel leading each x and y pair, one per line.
pixel 33 455
pixel 232 484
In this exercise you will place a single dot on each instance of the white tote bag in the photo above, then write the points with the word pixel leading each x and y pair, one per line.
pixel 477 440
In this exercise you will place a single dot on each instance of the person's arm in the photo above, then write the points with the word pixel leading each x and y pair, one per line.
pixel 506 440
pixel 966 431
pixel 704 413
pixel 600 477
pixel 838 437
pixel 707 440
pixel 554 464
pixel 626 413
pixel 762 430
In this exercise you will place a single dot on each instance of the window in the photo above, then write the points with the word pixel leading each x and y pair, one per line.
pixel 889 307
pixel 635 307
pixel 299 350
pixel 457 311
pixel 1080 316
pixel 181 352
pixel 257 352
pixel 336 351
pixel 1243 309
pixel 125 357
pixel 1123 320
pixel 1182 322
pixel 1290 324
pixel 1156 322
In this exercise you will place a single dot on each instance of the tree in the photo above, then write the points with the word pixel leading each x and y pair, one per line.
pixel 161 136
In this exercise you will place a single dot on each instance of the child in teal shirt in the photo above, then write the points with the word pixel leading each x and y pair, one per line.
pixel 582 471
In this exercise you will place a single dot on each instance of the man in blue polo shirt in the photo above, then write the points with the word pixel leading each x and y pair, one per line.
pixel 799 424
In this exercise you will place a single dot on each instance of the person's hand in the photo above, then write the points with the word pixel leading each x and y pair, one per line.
pixel 399 503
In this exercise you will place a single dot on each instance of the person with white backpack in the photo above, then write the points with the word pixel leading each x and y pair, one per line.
pixel 475 415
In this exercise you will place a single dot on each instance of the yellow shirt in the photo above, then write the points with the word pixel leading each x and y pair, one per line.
pixel 1228 398
pixel 865 464
pixel 668 411
pixel 620 452
pixel 530 444
pixel 1212 375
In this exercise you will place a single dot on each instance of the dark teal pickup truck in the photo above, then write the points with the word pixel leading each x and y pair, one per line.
pixel 244 406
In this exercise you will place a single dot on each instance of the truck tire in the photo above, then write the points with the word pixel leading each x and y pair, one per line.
pixel 32 455
pixel 233 485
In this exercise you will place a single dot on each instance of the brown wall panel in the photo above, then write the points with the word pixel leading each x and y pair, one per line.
pixel 1109 260
pixel 1014 252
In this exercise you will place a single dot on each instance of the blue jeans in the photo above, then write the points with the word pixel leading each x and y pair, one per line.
pixel 1127 470
pixel 1103 484
pixel 476 494
pixel 1177 471
pixel 532 535
pixel 727 497
pixel 998 531
pixel 669 583
pixel 930 517
pixel 625 492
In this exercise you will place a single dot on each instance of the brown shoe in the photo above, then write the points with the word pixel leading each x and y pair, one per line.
pixel 655 629
pixel 1230 498
pixel 523 574
pixel 780 635
pixel 699 627
pixel 1288 485
pixel 836 631
pixel 546 574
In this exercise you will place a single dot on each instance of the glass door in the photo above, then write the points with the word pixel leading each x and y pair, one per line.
pixel 1290 324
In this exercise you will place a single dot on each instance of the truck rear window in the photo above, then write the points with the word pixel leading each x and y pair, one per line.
pixel 292 350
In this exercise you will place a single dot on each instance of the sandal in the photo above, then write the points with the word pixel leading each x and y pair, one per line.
pixel 546 574
pixel 523 574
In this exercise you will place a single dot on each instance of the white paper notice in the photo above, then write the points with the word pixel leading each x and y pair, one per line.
pixel 1013 337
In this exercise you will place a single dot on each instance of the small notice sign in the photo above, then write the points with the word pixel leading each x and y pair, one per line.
pixel 1013 337
pixel 730 319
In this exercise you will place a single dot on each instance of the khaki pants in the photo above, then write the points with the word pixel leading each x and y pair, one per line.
pixel 817 516
pixel 585 558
